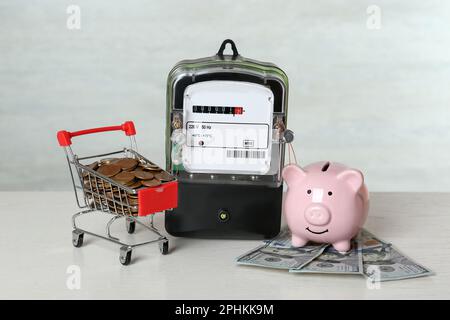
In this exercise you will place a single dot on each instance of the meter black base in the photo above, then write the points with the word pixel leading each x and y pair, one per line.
pixel 225 211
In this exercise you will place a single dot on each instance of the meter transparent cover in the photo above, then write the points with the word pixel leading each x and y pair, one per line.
pixel 225 119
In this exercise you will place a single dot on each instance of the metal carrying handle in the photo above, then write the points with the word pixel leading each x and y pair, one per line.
pixel 65 137
pixel 233 48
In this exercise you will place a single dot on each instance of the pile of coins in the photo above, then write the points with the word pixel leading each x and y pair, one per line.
pixel 128 172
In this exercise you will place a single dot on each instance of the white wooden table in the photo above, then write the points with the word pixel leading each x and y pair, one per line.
pixel 36 252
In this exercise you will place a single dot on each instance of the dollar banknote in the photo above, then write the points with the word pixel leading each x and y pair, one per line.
pixel 386 263
pixel 371 256
pixel 368 240
pixel 270 256
pixel 282 240
pixel 332 261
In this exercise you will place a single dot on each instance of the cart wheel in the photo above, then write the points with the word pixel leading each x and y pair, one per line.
pixel 164 247
pixel 131 225
pixel 77 238
pixel 125 256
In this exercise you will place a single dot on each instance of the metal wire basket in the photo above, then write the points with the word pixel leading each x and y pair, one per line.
pixel 97 192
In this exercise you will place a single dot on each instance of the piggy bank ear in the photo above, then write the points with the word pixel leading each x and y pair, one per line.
pixel 353 177
pixel 292 173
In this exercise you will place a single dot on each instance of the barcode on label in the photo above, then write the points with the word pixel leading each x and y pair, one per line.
pixel 253 154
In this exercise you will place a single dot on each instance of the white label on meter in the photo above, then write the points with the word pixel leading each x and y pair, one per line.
pixel 227 135
pixel 228 127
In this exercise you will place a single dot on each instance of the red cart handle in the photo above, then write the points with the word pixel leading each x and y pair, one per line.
pixel 65 137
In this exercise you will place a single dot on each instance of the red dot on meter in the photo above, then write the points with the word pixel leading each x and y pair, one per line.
pixel 238 110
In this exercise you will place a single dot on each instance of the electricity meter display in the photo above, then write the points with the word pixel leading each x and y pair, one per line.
pixel 228 127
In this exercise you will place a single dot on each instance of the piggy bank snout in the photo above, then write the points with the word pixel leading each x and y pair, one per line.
pixel 317 215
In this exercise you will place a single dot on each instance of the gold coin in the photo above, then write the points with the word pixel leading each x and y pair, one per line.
pixel 109 170
pixel 151 183
pixel 158 176
pixel 93 166
pixel 132 182
pixel 132 197
pixel 167 176
pixel 123 177
pixel 85 174
pixel 127 164
pixel 108 161
pixel 150 167
pixel 107 186
pixel 119 195
pixel 135 185
pixel 163 176
pixel 100 183
pixel 133 202
pixel 143 175
pixel 109 195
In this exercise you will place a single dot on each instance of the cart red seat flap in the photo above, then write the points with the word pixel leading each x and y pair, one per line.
pixel 157 199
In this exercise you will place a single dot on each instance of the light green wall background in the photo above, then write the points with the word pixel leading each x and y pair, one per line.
pixel 377 100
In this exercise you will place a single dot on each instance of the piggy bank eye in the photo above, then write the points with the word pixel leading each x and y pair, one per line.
pixel 330 193
pixel 309 191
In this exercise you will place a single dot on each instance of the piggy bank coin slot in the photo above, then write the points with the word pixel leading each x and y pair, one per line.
pixel 325 167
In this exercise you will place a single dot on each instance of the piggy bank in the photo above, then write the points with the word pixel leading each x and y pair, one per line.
pixel 326 202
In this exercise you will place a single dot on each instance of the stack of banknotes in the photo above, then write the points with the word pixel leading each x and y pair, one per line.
pixel 369 256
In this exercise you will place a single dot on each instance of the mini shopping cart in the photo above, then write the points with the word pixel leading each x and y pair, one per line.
pixel 96 192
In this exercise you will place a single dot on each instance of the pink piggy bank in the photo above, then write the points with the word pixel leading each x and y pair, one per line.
pixel 326 202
